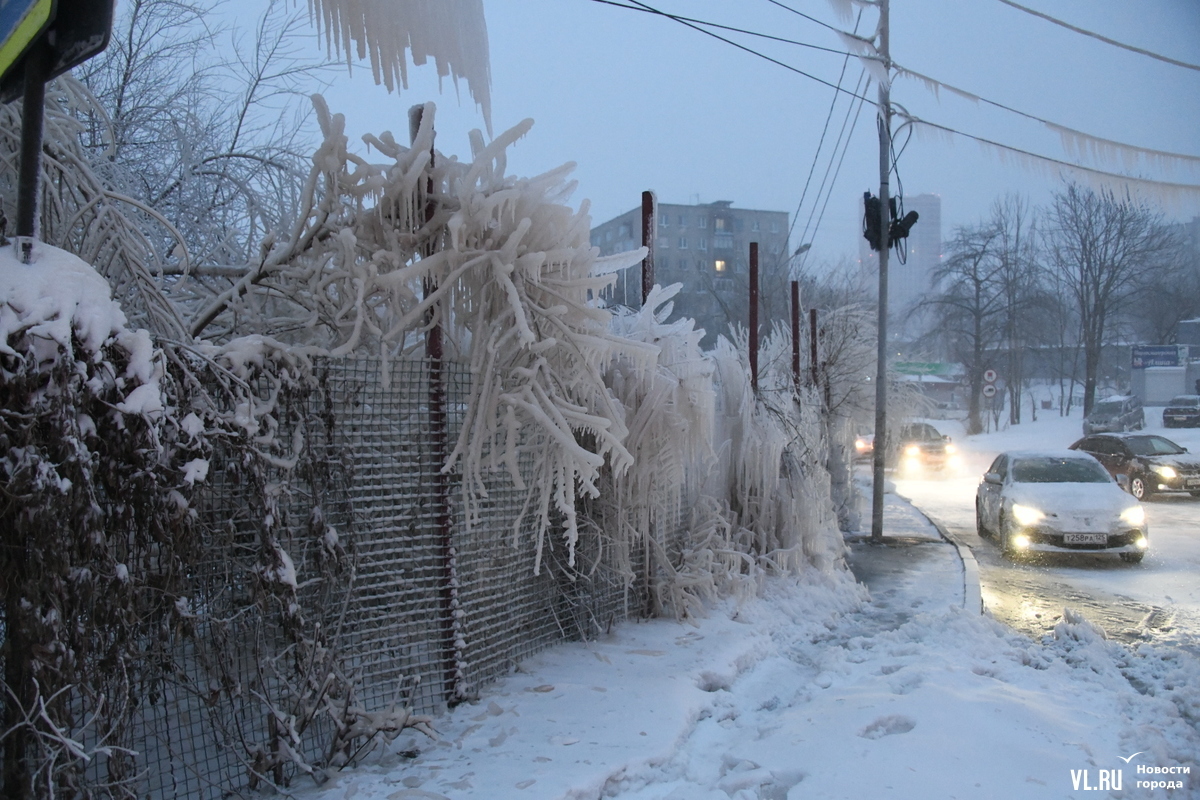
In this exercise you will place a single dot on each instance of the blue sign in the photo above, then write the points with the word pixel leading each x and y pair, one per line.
pixel 1156 355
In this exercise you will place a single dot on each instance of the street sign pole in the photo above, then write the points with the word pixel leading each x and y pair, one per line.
pixel 32 110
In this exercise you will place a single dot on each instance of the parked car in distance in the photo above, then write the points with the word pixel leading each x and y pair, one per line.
pixel 1144 462
pixel 1117 413
pixel 1182 412
pixel 864 446
pixel 1058 501
pixel 921 447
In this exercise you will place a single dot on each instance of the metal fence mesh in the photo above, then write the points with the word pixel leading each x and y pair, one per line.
pixel 208 733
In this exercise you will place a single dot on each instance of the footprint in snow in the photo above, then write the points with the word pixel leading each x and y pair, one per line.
pixel 886 726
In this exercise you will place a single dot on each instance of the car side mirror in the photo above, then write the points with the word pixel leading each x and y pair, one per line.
pixel 992 477
pixel 947 438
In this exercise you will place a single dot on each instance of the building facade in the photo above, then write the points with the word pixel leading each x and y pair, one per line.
pixel 706 248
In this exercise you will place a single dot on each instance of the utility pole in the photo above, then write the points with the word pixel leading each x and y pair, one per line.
pixel 885 167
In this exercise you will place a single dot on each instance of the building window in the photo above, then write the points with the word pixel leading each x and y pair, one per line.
pixel 754 226
pixel 608 234
pixel 720 224
pixel 702 222
pixel 664 220
pixel 719 265
pixel 703 244
pixel 723 241
pixel 774 227
pixel 682 243
pixel 626 230
pixel 682 221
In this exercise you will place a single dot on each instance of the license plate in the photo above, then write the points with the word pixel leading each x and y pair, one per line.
pixel 1085 538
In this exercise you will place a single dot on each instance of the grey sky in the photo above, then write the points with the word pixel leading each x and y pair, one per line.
pixel 641 102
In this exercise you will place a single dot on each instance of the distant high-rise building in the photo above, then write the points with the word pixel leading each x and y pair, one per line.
pixel 909 282
pixel 706 247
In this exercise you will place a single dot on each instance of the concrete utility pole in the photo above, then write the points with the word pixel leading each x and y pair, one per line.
pixel 885 168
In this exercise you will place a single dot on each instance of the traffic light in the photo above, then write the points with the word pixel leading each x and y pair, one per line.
pixel 898 228
pixel 871 220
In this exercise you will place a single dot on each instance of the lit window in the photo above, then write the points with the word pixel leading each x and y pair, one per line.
pixel 719 223
pixel 682 243
pixel 719 265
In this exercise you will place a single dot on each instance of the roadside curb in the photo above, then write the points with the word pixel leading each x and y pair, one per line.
pixel 972 593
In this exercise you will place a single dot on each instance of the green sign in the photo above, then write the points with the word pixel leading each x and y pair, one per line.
pixel 918 367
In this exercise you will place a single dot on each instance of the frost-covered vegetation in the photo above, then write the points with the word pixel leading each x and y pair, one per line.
pixel 626 439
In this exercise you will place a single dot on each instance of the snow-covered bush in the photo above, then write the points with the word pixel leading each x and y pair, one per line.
pixel 98 458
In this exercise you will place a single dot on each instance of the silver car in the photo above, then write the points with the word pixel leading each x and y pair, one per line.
pixel 1060 501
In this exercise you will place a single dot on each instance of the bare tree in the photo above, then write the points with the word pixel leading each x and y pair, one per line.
pixel 1019 281
pixel 1101 245
pixel 970 307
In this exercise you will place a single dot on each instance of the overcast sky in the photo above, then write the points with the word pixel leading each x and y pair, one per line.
pixel 643 102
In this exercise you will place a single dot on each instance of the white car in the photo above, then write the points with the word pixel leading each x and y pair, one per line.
pixel 1060 501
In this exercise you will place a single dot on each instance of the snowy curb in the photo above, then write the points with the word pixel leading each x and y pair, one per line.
pixel 972 594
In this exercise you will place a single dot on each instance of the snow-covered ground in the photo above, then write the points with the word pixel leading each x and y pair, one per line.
pixel 814 687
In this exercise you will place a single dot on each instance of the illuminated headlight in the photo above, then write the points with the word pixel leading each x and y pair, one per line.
pixel 1166 472
pixel 1026 515
pixel 1134 515
pixel 1021 541
pixel 912 450
pixel 1141 543
pixel 860 444
pixel 951 449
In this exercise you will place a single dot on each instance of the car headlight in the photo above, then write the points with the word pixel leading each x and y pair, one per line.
pixel 951 449
pixel 1134 515
pixel 912 450
pixel 1166 472
pixel 1026 515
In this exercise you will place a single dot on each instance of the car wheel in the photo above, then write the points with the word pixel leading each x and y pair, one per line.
pixel 1137 487
pixel 979 526
pixel 1132 558
pixel 1006 538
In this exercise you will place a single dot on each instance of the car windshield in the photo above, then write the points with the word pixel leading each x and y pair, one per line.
pixel 1185 400
pixel 1051 469
pixel 1153 446
pixel 920 433
pixel 1108 407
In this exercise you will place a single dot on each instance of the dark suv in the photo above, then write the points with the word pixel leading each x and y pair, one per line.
pixel 1119 413
pixel 1144 463
pixel 1182 411
pixel 921 446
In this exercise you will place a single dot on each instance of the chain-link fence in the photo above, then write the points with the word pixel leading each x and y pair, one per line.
pixel 359 521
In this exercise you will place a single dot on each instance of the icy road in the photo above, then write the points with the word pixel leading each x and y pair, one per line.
pixel 1157 600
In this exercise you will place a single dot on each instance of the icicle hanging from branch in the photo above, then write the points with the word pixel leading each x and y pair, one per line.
pixel 452 32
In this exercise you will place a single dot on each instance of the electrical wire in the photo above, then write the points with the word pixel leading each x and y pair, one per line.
pixel 1105 39
pixel 719 26
pixel 738 45
pixel 821 142
pixel 1181 187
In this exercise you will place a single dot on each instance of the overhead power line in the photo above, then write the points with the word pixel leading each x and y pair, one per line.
pixel 739 46
pixel 1184 188
pixel 1104 39
pixel 1072 137
pixel 719 26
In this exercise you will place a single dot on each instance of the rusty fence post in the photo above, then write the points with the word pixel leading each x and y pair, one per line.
pixel 649 221
pixel 439 442
pixel 796 338
pixel 754 317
